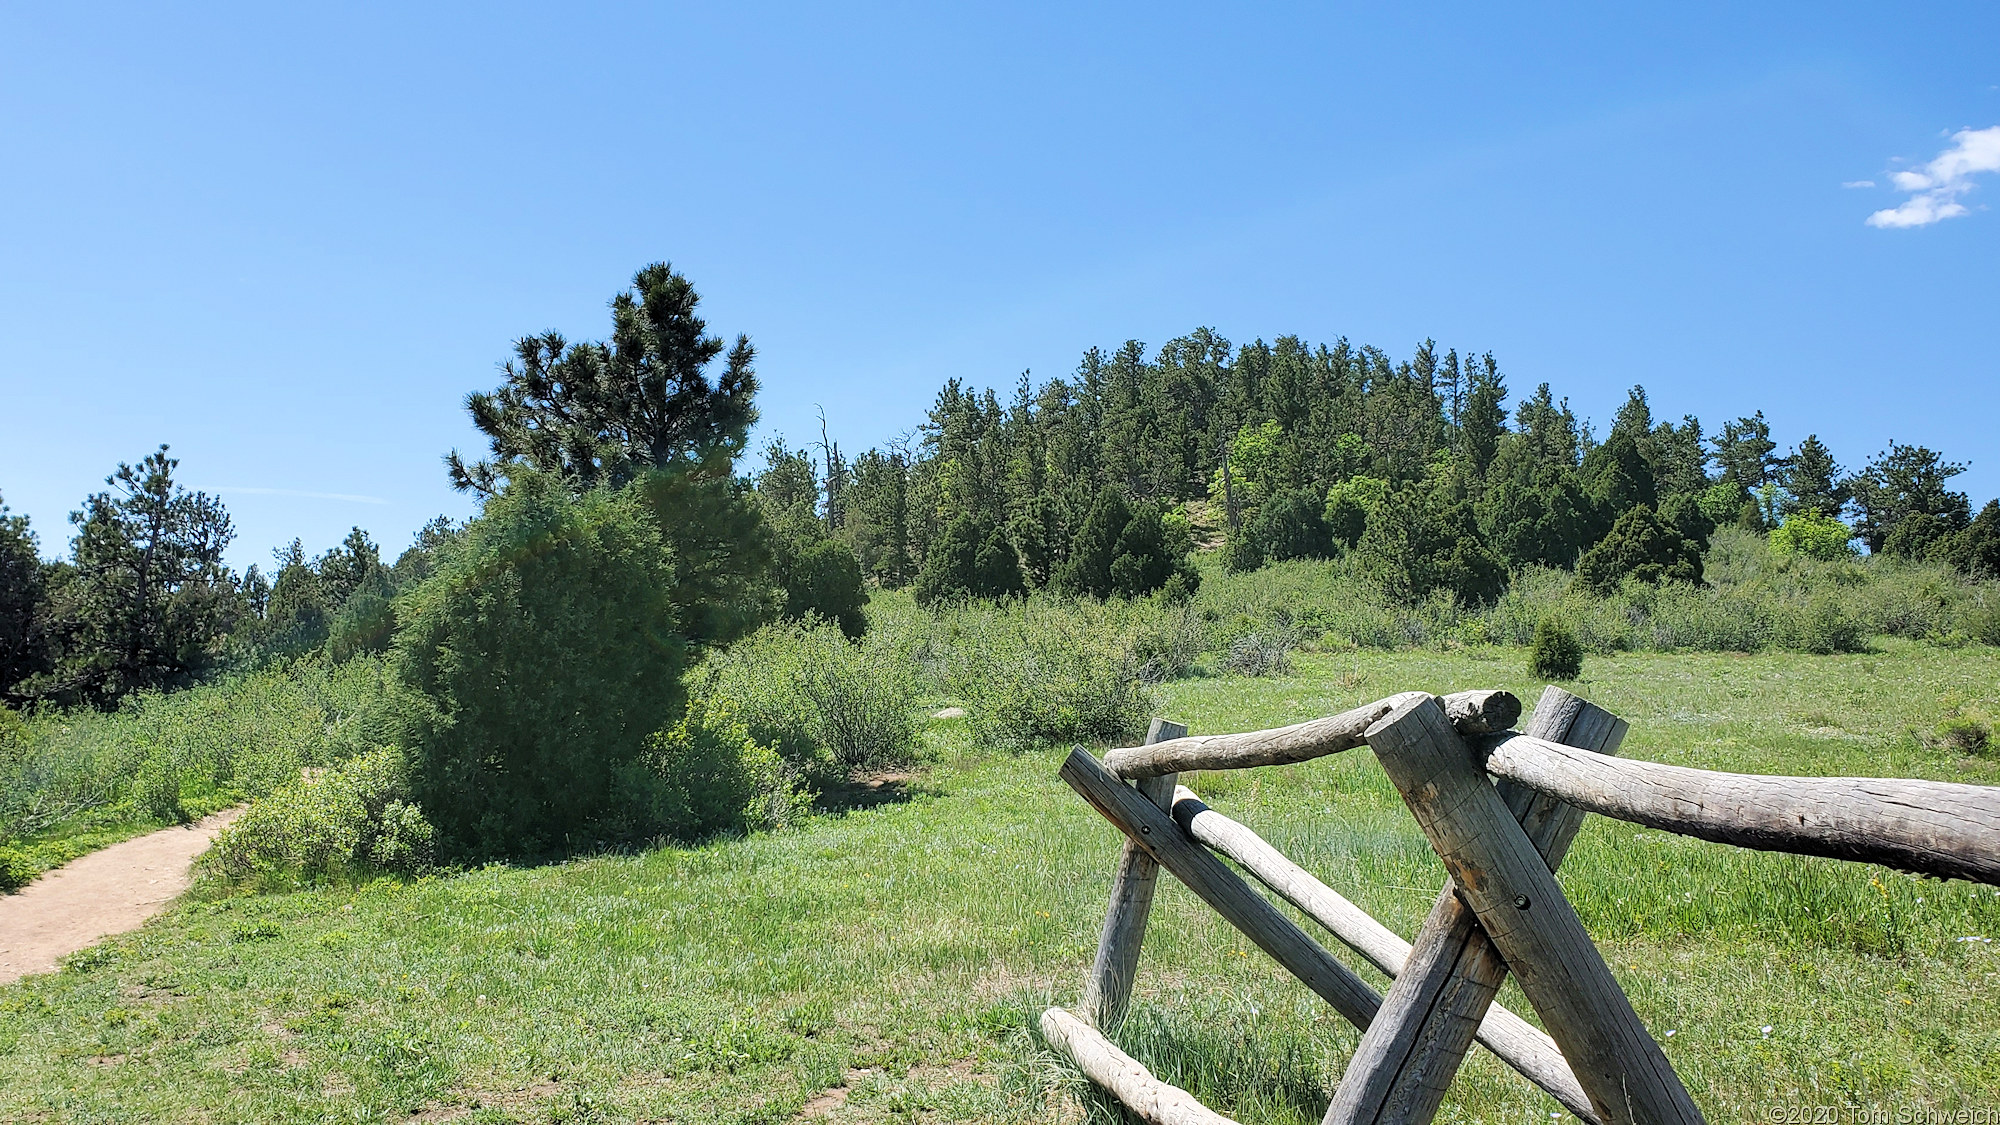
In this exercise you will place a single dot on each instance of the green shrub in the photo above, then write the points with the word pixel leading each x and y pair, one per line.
pixel 1639 548
pixel 1555 653
pixel 17 869
pixel 1047 671
pixel 1290 525
pixel 1822 627
pixel 1813 535
pixel 830 707
pixel 706 774
pixel 535 664
pixel 1261 654
pixel 823 577
pixel 1349 505
pixel 1965 734
pixel 970 559
pixel 341 823
pixel 178 756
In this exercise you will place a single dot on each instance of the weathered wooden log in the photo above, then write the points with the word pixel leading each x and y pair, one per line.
pixel 1508 884
pixel 1122 1076
pixel 1474 712
pixel 1225 891
pixel 1481 712
pixel 1406 1061
pixel 1929 827
pixel 1382 946
pixel 1108 988
pixel 1517 1042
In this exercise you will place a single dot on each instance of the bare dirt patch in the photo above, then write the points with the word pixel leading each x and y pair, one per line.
pixel 104 893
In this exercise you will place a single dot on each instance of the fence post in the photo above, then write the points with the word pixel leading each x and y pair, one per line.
pixel 1108 989
pixel 1407 1059
pixel 1506 881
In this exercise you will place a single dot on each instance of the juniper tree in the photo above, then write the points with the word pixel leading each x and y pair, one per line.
pixel 1642 547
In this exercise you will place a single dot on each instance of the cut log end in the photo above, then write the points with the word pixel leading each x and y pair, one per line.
pixel 1482 712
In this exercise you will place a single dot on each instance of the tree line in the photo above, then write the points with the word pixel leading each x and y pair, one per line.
pixel 1420 466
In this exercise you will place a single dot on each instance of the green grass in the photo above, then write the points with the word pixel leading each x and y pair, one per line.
pixel 909 946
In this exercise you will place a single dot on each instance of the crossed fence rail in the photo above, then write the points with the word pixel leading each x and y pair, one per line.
pixel 1500 808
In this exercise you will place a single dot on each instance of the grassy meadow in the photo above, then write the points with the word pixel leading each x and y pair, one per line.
pixel 900 946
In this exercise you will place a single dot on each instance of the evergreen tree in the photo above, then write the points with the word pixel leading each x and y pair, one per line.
pixel 1976 550
pixel 297 617
pixel 877 501
pixel 1420 541
pixel 996 569
pixel 1902 483
pixel 1483 420
pixel 604 412
pixel 348 567
pixel 151 601
pixel 1744 449
pixel 24 636
pixel 1680 458
pixel 821 576
pixel 1640 546
pixel 970 559
pixel 1682 512
pixel 1616 475
pixel 1292 525
pixel 1813 481
pixel 1095 548
pixel 817 573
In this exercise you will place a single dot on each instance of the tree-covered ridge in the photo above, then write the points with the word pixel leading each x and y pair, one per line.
pixel 1289 449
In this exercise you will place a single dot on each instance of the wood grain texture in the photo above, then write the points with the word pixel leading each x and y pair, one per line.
pixel 1406 1061
pixel 1222 889
pixel 1475 712
pixel 1929 827
pixel 1508 885
pixel 1517 1042
pixel 1122 1076
pixel 1108 988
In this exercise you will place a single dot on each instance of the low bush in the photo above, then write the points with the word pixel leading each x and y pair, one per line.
pixel 706 774
pixel 17 868
pixel 1555 653
pixel 1261 654
pixel 346 822
pixel 829 706
pixel 172 758
pixel 1046 671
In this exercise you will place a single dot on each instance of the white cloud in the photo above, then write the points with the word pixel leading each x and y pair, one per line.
pixel 347 496
pixel 1936 186
pixel 1857 183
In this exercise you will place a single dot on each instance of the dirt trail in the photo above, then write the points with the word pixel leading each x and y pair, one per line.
pixel 106 892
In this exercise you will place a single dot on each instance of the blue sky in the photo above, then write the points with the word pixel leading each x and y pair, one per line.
pixel 288 241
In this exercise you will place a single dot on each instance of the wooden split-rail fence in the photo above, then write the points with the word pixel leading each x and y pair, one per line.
pixel 1500 808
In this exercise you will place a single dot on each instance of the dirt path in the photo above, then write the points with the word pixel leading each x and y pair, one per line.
pixel 104 893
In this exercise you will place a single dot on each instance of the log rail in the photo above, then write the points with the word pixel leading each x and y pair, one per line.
pixel 1500 808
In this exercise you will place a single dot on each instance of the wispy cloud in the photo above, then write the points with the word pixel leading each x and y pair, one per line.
pixel 1936 187
pixel 1857 183
pixel 349 497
